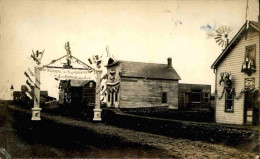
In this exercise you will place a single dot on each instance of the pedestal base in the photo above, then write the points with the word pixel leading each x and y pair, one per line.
pixel 97 115
pixel 36 113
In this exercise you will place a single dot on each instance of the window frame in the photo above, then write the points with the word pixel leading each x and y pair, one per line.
pixel 254 52
pixel 208 98
pixel 232 107
pixel 191 100
pixel 164 100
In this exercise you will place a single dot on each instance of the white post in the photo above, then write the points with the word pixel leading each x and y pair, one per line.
pixel 97 110
pixel 36 107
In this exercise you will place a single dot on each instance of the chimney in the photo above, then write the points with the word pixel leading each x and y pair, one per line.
pixel 169 62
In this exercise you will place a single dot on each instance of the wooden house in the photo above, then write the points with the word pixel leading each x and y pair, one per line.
pixel 142 85
pixel 237 78
pixel 194 97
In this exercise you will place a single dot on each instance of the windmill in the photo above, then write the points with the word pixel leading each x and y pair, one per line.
pixel 221 35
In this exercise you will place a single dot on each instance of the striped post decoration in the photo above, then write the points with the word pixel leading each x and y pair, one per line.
pixel 36 107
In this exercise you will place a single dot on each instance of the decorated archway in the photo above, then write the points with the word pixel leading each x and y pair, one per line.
pixel 66 72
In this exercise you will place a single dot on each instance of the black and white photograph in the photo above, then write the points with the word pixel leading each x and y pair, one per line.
pixel 130 79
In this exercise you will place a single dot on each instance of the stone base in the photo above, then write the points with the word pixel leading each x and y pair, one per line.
pixel 97 115
pixel 36 113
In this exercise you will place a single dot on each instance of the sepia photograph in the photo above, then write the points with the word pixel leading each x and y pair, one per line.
pixel 130 79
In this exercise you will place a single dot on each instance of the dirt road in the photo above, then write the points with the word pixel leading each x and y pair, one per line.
pixel 126 143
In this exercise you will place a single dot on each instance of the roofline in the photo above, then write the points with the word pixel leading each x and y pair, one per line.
pixel 175 79
pixel 213 66
pixel 196 84
pixel 142 62
pixel 254 26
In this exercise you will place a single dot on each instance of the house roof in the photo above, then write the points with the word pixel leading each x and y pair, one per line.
pixel 148 70
pixel 234 41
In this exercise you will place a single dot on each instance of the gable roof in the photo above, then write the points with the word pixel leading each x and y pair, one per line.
pixel 148 70
pixel 234 41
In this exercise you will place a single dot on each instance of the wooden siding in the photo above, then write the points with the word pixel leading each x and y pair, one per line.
pixel 233 62
pixel 148 93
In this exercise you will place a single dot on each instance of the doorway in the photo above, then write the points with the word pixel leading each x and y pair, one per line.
pixel 251 108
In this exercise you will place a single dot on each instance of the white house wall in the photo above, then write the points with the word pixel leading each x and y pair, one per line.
pixel 233 62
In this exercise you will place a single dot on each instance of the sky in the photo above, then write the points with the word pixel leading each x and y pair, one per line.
pixel 144 31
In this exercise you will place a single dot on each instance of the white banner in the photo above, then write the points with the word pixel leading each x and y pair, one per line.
pixel 70 74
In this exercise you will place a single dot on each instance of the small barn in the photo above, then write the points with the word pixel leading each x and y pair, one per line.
pixel 194 97
pixel 237 78
pixel 136 85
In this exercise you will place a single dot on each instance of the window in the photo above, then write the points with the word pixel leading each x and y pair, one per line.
pixel 249 64
pixel 229 103
pixel 90 84
pixel 196 97
pixel 108 97
pixel 206 97
pixel 164 97
pixel 187 98
pixel 250 54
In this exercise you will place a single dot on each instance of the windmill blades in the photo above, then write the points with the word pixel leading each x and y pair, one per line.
pixel 220 42
pixel 225 28
pixel 218 38
pixel 224 43
pixel 219 35
pixel 218 31
pixel 222 29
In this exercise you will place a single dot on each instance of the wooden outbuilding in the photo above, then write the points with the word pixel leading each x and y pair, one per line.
pixel 237 78
pixel 194 97
pixel 132 85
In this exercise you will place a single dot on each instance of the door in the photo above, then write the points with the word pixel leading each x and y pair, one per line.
pixel 251 108
pixel 256 100
pixel 248 108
